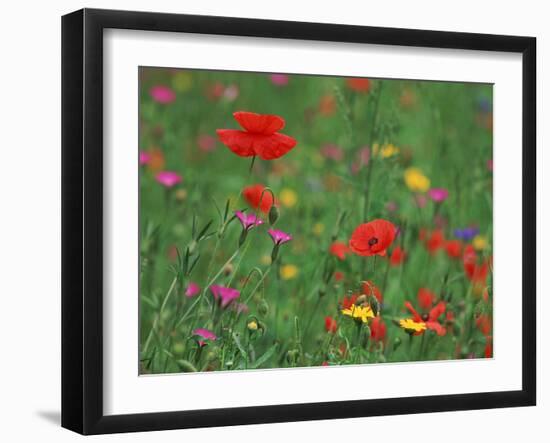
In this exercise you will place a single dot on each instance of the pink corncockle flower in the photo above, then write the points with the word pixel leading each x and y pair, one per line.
pixel 224 295
pixel 168 178
pixel 192 289
pixel 248 221
pixel 438 195
pixel 279 237
pixel 144 158
pixel 206 143
pixel 162 94
pixel 206 334
pixel 332 152
pixel 279 79
pixel 231 93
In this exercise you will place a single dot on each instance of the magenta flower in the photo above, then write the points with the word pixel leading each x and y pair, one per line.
pixel 248 221
pixel 192 289
pixel 168 178
pixel 279 79
pixel 438 195
pixel 224 295
pixel 204 333
pixel 279 237
pixel 162 94
pixel 144 158
pixel 363 158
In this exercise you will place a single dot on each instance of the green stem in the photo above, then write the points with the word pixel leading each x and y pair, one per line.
pixel 157 318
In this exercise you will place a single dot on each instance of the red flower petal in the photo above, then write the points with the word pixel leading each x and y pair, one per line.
pixel 436 326
pixel 240 142
pixel 415 314
pixel 437 311
pixel 372 238
pixel 259 123
pixel 425 298
pixel 270 147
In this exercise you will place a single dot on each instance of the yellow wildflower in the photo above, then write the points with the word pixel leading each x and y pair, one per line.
pixel 182 81
pixel 318 229
pixel 409 325
pixel 416 181
pixel 480 242
pixel 288 272
pixel 385 151
pixel 359 313
pixel 288 197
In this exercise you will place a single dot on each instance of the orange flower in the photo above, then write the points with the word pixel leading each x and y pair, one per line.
pixel 372 238
pixel 327 105
pixel 358 84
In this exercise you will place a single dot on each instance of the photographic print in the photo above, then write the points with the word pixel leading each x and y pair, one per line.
pixel 302 221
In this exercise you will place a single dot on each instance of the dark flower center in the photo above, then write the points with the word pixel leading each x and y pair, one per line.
pixel 425 317
pixel 373 241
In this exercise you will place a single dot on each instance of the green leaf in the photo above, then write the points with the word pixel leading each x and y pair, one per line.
pixel 265 357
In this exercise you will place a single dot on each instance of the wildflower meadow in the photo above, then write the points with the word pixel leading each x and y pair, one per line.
pixel 301 220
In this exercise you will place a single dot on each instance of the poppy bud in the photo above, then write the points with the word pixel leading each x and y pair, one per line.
pixel 263 308
pixel 375 306
pixel 273 214
pixel 192 247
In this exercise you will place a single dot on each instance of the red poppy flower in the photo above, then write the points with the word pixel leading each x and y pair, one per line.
pixel 358 84
pixel 330 324
pixel 348 301
pixel 453 248
pixel 484 323
pixel 397 256
pixel 338 276
pixel 339 249
pixel 430 319
pixel 372 238
pixel 476 273
pixel 252 194
pixel 436 241
pixel 377 329
pixel 370 288
pixel 425 298
pixel 260 136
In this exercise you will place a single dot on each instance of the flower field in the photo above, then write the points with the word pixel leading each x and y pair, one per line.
pixel 296 220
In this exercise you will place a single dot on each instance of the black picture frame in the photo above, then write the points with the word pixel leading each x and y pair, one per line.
pixel 82 220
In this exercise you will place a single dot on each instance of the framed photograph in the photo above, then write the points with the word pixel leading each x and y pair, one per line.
pixel 269 221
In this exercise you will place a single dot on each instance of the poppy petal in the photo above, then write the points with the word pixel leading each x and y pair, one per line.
pixel 259 123
pixel 436 326
pixel 416 315
pixel 240 142
pixel 273 146
pixel 437 310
